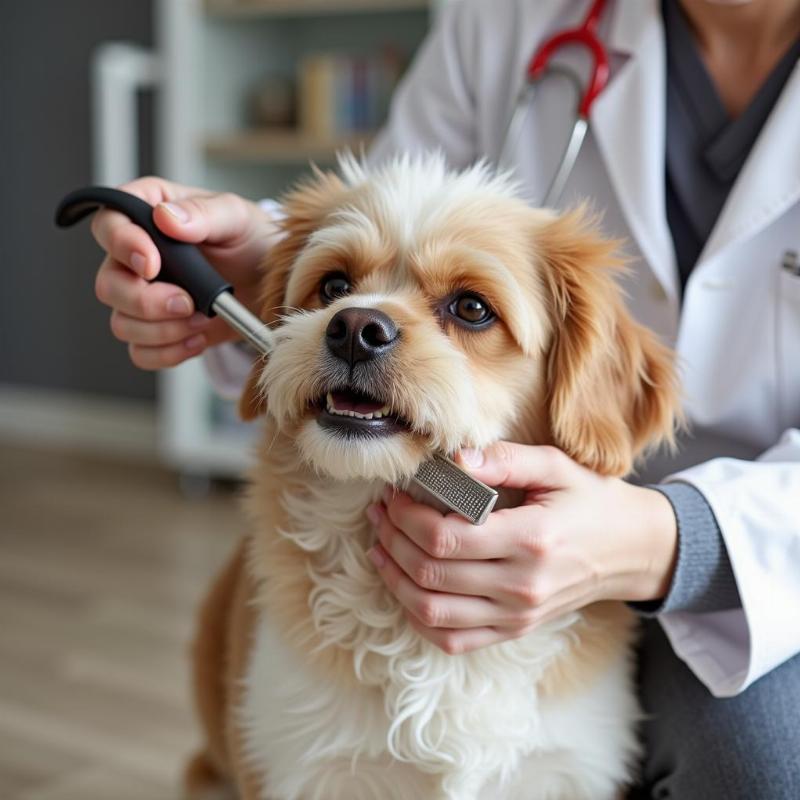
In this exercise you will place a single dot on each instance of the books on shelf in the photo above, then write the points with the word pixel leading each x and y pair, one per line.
pixel 342 94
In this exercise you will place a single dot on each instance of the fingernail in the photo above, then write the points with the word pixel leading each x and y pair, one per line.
pixel 138 262
pixel 195 342
pixel 373 514
pixel 179 305
pixel 375 555
pixel 199 321
pixel 471 457
pixel 180 213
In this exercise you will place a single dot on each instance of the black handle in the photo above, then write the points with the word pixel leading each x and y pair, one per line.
pixel 181 263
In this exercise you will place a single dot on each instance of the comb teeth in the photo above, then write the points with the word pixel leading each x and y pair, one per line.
pixel 462 493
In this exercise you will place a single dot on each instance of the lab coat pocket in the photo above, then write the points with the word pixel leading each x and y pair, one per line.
pixel 788 347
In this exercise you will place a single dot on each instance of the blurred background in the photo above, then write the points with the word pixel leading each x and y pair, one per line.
pixel 118 488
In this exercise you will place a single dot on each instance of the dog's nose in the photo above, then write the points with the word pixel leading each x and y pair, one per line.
pixel 360 334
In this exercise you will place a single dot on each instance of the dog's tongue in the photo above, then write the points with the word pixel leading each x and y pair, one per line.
pixel 350 401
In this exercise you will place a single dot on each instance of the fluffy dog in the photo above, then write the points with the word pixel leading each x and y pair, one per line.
pixel 418 309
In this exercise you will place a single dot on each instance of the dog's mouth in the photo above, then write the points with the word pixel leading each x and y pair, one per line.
pixel 353 413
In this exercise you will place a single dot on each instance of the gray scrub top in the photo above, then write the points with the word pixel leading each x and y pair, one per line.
pixel 706 148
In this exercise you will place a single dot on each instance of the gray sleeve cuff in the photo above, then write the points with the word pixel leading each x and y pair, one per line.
pixel 703 579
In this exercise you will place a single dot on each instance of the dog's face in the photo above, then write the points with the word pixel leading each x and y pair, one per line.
pixel 423 310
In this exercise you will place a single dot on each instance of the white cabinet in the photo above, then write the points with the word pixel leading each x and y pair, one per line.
pixel 212 55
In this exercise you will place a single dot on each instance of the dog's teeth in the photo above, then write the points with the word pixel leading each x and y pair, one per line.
pixel 342 412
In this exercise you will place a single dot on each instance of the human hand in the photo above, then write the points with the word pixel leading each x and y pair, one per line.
pixel 158 320
pixel 577 538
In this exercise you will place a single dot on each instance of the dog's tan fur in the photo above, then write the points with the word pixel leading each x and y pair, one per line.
pixel 219 658
pixel 565 363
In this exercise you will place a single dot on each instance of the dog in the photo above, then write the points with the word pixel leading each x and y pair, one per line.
pixel 419 309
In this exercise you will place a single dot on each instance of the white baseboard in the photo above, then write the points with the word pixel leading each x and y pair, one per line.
pixel 40 417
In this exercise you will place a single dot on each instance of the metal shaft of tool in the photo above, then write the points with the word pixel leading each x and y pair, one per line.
pixel 241 320
pixel 440 476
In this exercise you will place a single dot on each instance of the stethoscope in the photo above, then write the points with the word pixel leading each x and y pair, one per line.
pixel 540 66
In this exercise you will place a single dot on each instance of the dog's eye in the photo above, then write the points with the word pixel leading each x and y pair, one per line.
pixel 333 286
pixel 472 309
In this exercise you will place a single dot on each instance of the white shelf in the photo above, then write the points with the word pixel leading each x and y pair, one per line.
pixel 295 8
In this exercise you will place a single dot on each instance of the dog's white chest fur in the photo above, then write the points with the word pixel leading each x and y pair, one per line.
pixel 409 721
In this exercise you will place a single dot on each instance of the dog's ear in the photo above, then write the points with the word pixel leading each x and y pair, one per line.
pixel 612 388
pixel 305 208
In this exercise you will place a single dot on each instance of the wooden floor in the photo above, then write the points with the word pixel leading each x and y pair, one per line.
pixel 101 567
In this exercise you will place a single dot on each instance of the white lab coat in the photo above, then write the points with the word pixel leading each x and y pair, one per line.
pixel 738 335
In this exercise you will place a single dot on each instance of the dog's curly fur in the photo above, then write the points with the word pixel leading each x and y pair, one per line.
pixel 311 683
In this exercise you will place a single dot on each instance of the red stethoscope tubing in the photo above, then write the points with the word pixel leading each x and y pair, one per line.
pixel 584 35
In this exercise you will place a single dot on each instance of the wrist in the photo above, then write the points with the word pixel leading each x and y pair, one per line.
pixel 656 534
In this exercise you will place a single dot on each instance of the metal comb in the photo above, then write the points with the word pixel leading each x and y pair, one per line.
pixel 462 493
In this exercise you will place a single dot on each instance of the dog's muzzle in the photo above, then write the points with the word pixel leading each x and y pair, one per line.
pixel 356 403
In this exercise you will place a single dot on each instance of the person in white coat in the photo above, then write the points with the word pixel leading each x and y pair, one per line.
pixel 693 156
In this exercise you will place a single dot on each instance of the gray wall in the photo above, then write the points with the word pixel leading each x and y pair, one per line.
pixel 53 333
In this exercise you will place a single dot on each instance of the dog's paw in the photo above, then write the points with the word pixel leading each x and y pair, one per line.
pixel 203 781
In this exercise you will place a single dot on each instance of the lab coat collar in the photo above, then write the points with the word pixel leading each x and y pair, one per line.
pixel 628 18
pixel 628 121
pixel 769 182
